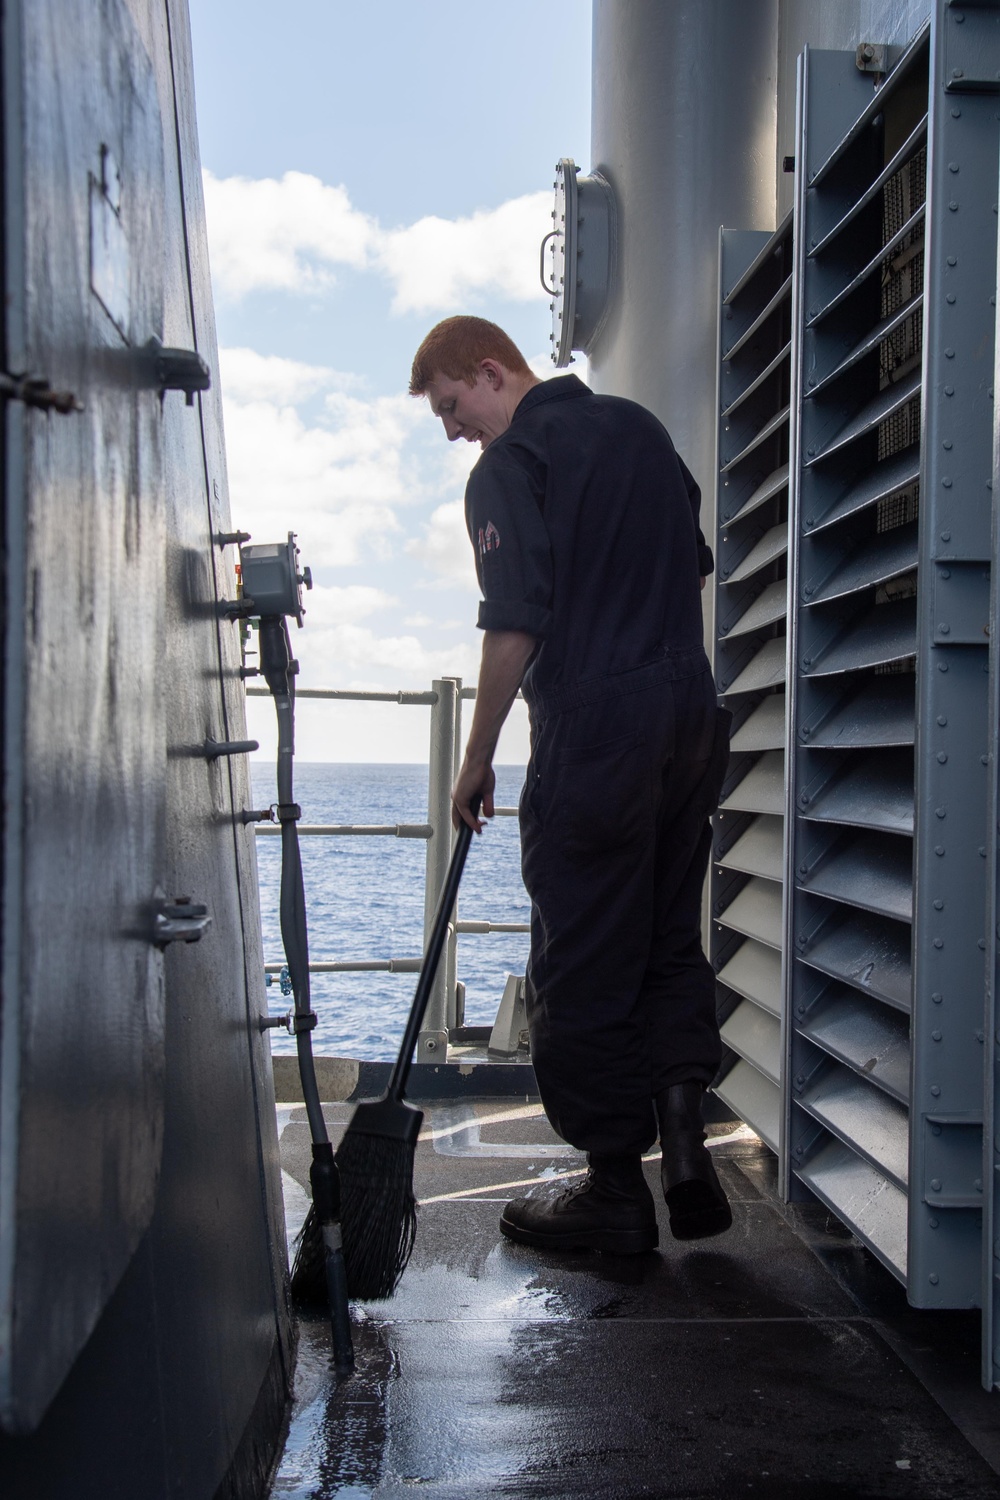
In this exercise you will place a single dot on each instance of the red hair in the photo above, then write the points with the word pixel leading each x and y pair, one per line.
pixel 456 347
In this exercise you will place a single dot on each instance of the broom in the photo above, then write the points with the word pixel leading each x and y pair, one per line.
pixel 375 1159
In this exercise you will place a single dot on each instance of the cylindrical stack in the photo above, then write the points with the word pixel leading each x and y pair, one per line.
pixel 680 167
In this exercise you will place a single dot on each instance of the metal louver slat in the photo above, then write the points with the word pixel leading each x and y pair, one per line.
pixel 878 410
pixel 864 1198
pixel 861 1116
pixel 762 789
pixel 871 1039
pixel 865 951
pixel 765 670
pixel 783 294
pixel 908 149
pixel 754 1098
pixel 770 427
pixel 877 263
pixel 755 973
pixel 758 850
pixel 773 485
pixel 771 246
pixel 867 870
pixel 877 483
pixel 875 791
pixel 763 729
pixel 756 1037
pixel 877 561
pixel 772 545
pixel 880 712
pixel 756 384
pixel 767 609
pixel 869 344
pixel 756 912
pixel 884 634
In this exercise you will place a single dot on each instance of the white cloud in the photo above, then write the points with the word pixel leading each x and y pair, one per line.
pixel 416 622
pixel 249 376
pixel 291 235
pixel 341 481
pixel 444 546
pixel 329 607
pixel 356 656
pixel 287 235
pixel 442 264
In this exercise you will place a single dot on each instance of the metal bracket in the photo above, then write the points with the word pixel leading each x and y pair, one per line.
pixel 257 815
pixel 180 921
pixel 236 609
pixel 35 391
pixel 268 1023
pixel 872 57
pixel 230 538
pixel 179 370
pixel 213 749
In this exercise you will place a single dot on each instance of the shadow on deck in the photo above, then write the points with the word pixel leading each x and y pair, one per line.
pixel 777 1360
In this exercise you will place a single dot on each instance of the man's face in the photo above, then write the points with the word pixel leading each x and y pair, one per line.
pixel 477 412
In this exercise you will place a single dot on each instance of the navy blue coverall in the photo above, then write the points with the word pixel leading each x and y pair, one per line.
pixel 585 525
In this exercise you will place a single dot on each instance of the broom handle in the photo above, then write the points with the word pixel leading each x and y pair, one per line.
pixel 439 931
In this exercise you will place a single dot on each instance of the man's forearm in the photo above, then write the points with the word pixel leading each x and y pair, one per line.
pixel 506 654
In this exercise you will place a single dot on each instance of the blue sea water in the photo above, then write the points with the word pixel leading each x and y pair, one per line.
pixel 365 899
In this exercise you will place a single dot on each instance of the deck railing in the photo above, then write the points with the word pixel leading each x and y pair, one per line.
pixel 445 698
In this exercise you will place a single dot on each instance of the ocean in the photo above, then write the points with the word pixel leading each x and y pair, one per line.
pixel 365 899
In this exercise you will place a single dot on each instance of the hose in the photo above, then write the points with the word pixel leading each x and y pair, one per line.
pixel 279 671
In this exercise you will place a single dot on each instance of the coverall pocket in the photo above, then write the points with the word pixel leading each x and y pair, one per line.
pixel 601 799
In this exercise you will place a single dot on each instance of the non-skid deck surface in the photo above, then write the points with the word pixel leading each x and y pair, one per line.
pixel 776 1360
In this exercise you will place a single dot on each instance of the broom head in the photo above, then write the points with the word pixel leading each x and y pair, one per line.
pixel 377 1207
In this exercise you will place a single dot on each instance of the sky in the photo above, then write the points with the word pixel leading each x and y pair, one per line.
pixel 370 169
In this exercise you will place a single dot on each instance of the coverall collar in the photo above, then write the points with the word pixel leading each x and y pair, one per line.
pixel 559 388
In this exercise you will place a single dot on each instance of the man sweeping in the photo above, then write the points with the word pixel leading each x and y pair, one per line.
pixel 584 522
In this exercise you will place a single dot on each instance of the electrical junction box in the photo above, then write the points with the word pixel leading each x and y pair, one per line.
pixel 272 583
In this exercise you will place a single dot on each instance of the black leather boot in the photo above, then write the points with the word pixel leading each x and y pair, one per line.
pixel 610 1209
pixel 698 1206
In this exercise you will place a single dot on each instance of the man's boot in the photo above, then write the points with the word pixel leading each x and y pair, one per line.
pixel 698 1206
pixel 609 1209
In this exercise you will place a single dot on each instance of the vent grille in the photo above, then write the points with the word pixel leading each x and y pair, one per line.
pixel 750 660
pixel 881 678
pixel 851 882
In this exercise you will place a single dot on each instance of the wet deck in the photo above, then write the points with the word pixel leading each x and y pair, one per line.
pixel 778 1360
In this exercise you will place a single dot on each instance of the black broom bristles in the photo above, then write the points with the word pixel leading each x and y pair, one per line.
pixel 378 1212
pixel 309 1265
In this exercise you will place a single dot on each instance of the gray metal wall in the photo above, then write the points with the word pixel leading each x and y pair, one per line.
pixel 180 1388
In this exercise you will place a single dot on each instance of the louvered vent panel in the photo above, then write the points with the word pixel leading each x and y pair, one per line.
pixel 889 573
pixel 751 607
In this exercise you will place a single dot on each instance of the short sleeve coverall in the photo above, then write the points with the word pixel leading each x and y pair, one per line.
pixel 584 522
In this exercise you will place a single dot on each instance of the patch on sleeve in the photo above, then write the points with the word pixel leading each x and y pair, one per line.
pixel 489 540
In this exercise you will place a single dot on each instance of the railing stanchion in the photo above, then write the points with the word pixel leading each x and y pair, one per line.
pixel 450 960
pixel 432 1044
